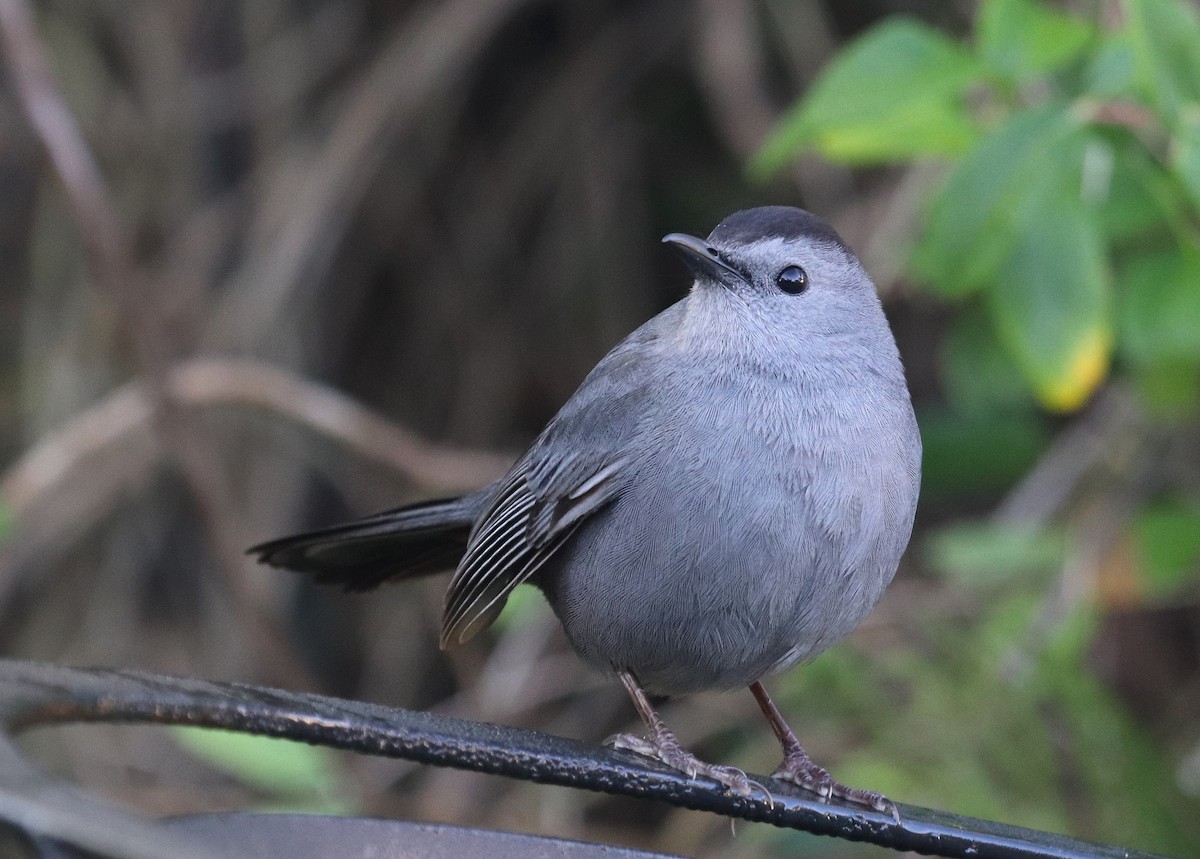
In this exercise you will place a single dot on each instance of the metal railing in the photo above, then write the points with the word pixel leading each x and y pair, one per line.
pixel 46 810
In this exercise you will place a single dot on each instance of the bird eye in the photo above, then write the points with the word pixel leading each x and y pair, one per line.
pixel 792 280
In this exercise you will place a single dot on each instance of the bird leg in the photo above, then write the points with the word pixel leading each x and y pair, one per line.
pixel 662 745
pixel 798 768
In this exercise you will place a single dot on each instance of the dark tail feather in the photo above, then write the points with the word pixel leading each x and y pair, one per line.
pixel 404 543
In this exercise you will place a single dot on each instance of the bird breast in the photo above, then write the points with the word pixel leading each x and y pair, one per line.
pixel 758 526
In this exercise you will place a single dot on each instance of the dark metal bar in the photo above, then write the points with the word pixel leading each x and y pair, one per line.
pixel 34 694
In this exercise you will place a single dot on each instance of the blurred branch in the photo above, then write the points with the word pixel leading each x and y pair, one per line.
pixel 114 271
pixel 211 382
pixel 104 240
pixel 1111 432
pixel 887 223
pixel 216 100
pixel 730 72
pixel 50 466
pixel 309 201
pixel 578 107
pixel 43 493
pixel 1073 455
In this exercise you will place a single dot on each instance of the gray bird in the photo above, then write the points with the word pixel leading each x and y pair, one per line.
pixel 728 493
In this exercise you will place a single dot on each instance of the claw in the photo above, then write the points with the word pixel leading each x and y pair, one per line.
pixel 766 793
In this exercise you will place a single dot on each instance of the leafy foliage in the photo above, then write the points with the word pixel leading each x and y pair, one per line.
pixel 1168 544
pixel 293 776
pixel 1079 156
pixel 1065 236
pixel 1025 731
pixel 893 95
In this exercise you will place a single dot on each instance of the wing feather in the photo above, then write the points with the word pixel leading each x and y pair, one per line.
pixel 576 466
pixel 517 533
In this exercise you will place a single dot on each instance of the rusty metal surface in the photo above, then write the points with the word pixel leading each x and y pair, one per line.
pixel 33 694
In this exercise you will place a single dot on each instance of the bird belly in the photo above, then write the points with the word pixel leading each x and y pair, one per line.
pixel 693 597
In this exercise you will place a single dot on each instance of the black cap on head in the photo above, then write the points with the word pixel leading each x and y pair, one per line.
pixel 785 222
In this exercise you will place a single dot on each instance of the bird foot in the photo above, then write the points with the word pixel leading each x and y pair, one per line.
pixel 799 769
pixel 664 747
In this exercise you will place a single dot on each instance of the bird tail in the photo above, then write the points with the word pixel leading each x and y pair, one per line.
pixel 404 543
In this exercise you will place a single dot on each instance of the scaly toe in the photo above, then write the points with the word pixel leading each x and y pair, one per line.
pixel 870 798
pixel 803 772
pixel 809 776
pixel 679 758
pixel 632 743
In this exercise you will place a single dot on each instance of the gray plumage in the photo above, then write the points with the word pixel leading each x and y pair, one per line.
pixel 728 492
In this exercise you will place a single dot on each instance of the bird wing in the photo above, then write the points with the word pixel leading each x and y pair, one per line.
pixel 579 464
pixel 537 507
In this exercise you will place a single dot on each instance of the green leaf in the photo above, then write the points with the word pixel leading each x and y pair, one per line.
pixel 522 604
pixel 1168 542
pixel 1170 389
pixel 977 456
pixel 893 94
pixel 1159 307
pixel 1022 39
pixel 1052 303
pixel 978 375
pixel 1110 69
pixel 1165 38
pixel 1140 197
pixel 1185 153
pixel 972 222
pixel 275 766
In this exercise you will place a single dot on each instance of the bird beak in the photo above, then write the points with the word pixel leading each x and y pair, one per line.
pixel 703 260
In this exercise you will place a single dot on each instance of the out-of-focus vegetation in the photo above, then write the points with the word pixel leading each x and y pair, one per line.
pixel 1065 237
pixel 449 211
pixel 1069 221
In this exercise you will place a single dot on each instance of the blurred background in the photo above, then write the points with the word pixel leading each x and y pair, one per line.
pixel 268 265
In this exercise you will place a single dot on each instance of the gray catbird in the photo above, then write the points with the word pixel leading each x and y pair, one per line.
pixel 728 492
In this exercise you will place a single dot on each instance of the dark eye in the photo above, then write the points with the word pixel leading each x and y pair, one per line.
pixel 792 280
